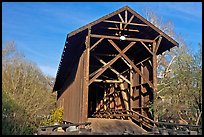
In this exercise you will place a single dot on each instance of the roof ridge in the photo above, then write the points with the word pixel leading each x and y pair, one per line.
pixel 98 20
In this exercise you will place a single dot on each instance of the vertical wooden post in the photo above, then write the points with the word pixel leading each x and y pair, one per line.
pixel 140 93
pixel 131 90
pixel 105 98
pixel 142 90
pixel 126 16
pixel 154 65
pixel 85 91
pixel 108 99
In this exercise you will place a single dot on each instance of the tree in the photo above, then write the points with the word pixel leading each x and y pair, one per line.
pixel 27 88
pixel 179 83
pixel 184 88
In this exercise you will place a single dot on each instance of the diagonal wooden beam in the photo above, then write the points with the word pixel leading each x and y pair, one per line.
pixel 131 63
pixel 103 68
pixel 95 72
pixel 158 44
pixel 120 17
pixel 96 43
pixel 157 36
pixel 129 21
pixel 153 27
pixel 131 18
pixel 114 45
pixel 143 60
pixel 150 62
pixel 146 47
pixel 112 69
pixel 126 62
pixel 111 62
pixel 137 70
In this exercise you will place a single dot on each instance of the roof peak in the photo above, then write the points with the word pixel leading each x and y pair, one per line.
pixel 126 7
pixel 100 19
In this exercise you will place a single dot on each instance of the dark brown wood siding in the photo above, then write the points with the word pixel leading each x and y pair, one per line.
pixel 72 96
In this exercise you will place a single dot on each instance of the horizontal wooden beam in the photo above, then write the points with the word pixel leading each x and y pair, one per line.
pixel 133 30
pixel 136 24
pixel 106 55
pixel 118 38
pixel 108 81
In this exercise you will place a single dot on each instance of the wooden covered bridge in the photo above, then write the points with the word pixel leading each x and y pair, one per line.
pixel 108 69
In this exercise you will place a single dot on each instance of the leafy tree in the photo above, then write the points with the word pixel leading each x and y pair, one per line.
pixel 182 91
pixel 28 90
pixel 13 117
pixel 179 79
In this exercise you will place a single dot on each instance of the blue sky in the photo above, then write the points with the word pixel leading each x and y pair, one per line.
pixel 39 29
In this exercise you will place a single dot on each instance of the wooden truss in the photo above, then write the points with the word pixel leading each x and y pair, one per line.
pixel 120 25
pixel 124 74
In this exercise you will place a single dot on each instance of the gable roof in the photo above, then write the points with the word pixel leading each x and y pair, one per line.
pixel 73 49
pixel 115 13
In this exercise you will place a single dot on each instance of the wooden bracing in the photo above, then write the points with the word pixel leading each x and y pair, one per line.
pixel 107 65
pixel 115 72
pixel 136 68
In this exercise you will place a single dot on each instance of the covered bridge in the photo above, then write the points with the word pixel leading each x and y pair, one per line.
pixel 108 68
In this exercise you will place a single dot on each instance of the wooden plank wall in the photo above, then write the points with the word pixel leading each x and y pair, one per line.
pixel 71 98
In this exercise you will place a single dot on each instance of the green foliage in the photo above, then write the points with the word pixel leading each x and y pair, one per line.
pixel 183 90
pixel 55 117
pixel 27 94
pixel 13 118
pixel 179 93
